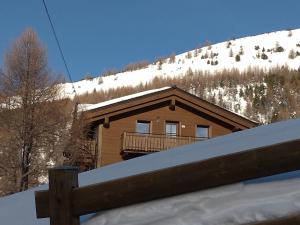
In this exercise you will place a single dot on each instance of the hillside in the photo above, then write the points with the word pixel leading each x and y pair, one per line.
pixel 265 51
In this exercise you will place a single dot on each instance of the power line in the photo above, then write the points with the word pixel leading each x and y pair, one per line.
pixel 59 46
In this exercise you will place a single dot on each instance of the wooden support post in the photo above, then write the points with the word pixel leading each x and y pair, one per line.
pixel 62 180
pixel 106 122
pixel 172 104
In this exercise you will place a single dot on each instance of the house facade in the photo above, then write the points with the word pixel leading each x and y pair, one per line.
pixel 154 121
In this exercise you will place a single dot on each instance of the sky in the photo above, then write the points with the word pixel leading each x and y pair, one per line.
pixel 97 35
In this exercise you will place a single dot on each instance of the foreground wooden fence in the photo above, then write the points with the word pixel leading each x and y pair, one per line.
pixel 64 202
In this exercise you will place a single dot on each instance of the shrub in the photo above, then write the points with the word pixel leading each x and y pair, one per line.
pixel 256 47
pixel 292 54
pixel 188 55
pixel 208 62
pixel 172 58
pixel 237 58
pixel 100 80
pixel 161 60
pixel 195 52
pixel 258 55
pixel 159 65
pixel 228 44
pixel 298 45
pixel 110 72
pixel 88 77
pixel 230 53
pixel 207 44
pixel 205 56
pixel 212 54
pixel 264 56
pixel 135 66
pixel 241 52
pixel 278 48
pixel 213 63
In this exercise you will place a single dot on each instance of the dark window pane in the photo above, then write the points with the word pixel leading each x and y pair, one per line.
pixel 143 127
pixel 171 128
pixel 202 131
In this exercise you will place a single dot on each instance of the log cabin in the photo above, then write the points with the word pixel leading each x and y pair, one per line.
pixel 153 121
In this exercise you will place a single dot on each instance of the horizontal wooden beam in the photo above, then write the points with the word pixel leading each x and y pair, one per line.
pixel 218 171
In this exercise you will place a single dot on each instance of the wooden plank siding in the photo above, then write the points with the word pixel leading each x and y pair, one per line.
pixel 187 121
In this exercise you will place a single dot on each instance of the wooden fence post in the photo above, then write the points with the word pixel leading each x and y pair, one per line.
pixel 62 180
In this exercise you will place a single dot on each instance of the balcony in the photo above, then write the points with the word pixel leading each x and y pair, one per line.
pixel 138 143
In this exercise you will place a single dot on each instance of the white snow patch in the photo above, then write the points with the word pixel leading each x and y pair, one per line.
pixel 86 107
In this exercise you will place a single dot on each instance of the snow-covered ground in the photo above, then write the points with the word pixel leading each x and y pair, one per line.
pixel 232 204
pixel 248 201
pixel 250 50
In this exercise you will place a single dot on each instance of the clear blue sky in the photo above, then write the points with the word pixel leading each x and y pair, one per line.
pixel 100 34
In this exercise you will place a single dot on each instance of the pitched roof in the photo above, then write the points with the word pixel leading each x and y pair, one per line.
pixel 95 112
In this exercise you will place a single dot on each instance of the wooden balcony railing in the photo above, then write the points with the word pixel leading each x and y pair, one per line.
pixel 147 143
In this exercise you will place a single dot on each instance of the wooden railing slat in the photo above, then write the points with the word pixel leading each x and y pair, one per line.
pixel 138 142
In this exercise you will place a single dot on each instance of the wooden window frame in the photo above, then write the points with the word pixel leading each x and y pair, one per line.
pixel 178 130
pixel 146 122
pixel 203 126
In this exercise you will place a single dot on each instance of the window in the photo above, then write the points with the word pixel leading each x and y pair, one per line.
pixel 143 126
pixel 202 131
pixel 171 128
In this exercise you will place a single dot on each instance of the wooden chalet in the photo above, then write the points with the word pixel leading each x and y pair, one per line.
pixel 154 121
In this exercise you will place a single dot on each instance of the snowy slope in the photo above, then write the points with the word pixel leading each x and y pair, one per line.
pixel 23 203
pixel 250 56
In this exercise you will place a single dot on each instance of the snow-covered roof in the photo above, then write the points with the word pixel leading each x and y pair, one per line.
pixel 23 203
pixel 86 107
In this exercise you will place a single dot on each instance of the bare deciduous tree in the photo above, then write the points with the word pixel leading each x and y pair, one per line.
pixel 32 118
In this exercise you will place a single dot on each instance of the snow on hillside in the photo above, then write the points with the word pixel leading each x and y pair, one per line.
pixel 265 51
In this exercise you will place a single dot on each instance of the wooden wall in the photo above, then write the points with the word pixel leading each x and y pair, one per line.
pixel 109 152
